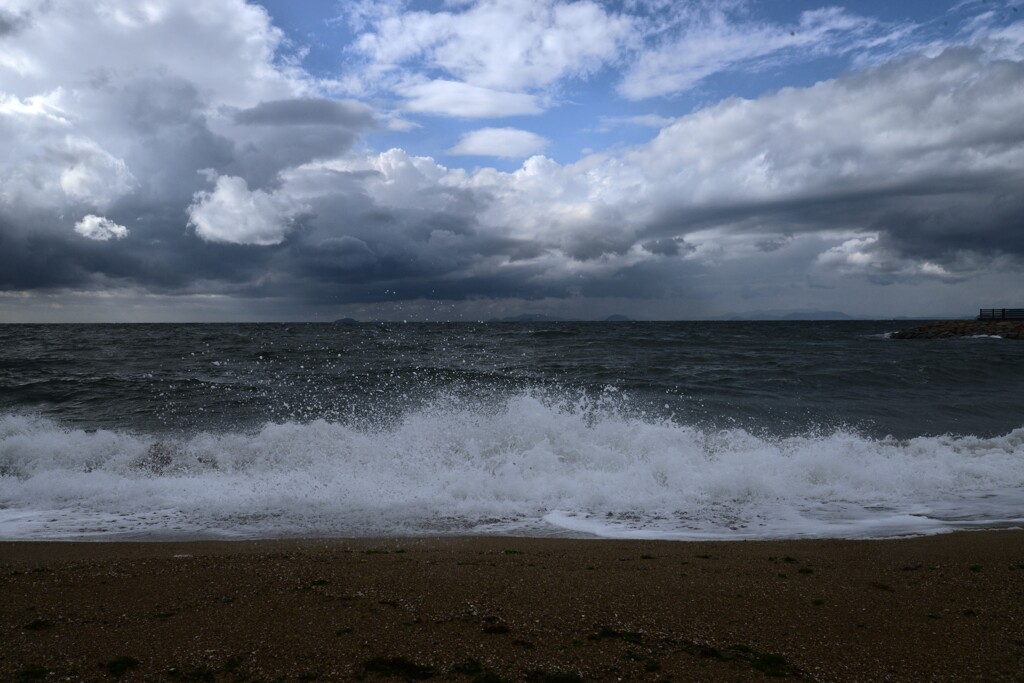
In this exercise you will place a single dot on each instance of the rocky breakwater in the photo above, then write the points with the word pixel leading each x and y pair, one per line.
pixel 950 329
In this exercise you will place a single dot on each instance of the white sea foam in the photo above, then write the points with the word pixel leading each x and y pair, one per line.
pixel 529 465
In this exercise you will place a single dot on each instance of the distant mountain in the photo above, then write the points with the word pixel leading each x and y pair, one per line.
pixel 787 315
pixel 617 319
pixel 817 315
pixel 345 321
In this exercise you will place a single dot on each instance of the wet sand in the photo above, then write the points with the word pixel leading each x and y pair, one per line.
pixel 508 609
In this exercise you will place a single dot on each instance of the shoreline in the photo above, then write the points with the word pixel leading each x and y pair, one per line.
pixel 489 608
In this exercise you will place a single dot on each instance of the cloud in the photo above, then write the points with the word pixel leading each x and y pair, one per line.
pixel 281 134
pixel 866 256
pixel 669 246
pixel 100 228
pixel 90 173
pixel 904 173
pixel 925 155
pixel 46 163
pixel 917 117
pixel 233 214
pixel 710 40
pixel 307 111
pixel 453 98
pixel 10 23
pixel 101 100
pixel 509 143
pixel 431 57
pixel 540 42
pixel 225 47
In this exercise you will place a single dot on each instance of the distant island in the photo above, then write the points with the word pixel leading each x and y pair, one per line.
pixel 346 321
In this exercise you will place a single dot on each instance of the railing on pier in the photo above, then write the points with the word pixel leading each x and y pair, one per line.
pixel 1001 314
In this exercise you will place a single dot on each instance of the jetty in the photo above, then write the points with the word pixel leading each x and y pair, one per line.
pixel 1001 314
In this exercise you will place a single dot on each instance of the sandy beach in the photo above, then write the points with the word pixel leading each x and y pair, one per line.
pixel 482 609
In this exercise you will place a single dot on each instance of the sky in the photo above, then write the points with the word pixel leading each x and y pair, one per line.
pixel 170 160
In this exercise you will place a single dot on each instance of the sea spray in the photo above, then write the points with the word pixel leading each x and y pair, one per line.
pixel 534 462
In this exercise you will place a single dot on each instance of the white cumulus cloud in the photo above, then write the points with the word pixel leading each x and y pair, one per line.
pixel 484 58
pixel 44 162
pixel 234 214
pixel 91 174
pixel 501 44
pixel 226 47
pixel 453 98
pixel 509 143
pixel 100 228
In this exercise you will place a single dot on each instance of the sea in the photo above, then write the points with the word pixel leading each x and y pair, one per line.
pixel 654 430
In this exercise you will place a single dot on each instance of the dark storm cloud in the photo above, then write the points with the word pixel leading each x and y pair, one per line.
pixel 644 280
pixel 596 241
pixel 933 217
pixel 403 284
pixel 30 261
pixel 11 23
pixel 167 159
pixel 390 254
pixel 387 245
pixel 668 246
pixel 307 111
pixel 160 258
pixel 149 103
pixel 283 134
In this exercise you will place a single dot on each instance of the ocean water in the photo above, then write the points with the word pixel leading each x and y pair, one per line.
pixel 688 430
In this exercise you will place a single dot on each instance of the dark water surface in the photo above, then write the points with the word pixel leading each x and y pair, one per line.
pixel 769 377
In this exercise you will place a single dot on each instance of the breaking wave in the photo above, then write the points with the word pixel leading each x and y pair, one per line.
pixel 529 464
